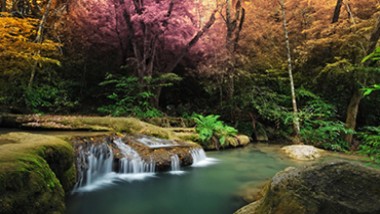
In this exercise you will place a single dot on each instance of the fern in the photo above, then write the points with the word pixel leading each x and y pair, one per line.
pixel 210 126
pixel 370 144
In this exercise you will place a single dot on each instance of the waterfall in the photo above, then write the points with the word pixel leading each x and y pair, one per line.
pixel 101 164
pixel 200 159
pixel 175 164
pixel 94 163
pixel 153 142
pixel 198 155
pixel 132 162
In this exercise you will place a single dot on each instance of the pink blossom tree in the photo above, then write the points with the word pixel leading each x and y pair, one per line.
pixel 151 36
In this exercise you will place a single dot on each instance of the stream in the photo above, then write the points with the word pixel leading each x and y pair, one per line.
pixel 213 188
pixel 206 188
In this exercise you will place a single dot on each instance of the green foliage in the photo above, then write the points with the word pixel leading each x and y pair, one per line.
pixel 318 124
pixel 210 126
pixel 130 96
pixel 370 143
pixel 374 56
pixel 49 98
pixel 127 98
pixel 368 90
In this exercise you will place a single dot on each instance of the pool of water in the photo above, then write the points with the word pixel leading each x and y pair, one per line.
pixel 209 189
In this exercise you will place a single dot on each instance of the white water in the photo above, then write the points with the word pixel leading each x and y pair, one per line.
pixel 98 171
pixel 176 165
pixel 153 142
pixel 132 162
pixel 200 159
pixel 97 165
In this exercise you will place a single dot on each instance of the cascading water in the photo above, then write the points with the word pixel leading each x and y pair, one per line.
pixel 200 159
pixel 99 166
pixel 132 162
pixel 153 142
pixel 94 163
pixel 175 165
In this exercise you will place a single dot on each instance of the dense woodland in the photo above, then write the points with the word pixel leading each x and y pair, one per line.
pixel 300 70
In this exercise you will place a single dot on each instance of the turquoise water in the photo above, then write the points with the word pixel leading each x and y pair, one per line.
pixel 211 189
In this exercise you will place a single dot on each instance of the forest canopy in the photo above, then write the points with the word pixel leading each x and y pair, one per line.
pixel 175 57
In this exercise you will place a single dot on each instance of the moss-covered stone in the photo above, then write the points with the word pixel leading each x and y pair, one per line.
pixel 35 171
pixel 118 124
pixel 324 188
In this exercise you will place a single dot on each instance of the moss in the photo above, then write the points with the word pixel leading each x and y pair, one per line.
pixel 35 171
pixel 118 124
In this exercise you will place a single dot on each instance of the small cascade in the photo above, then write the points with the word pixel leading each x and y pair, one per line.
pixel 175 164
pixel 132 162
pixel 153 142
pixel 200 159
pixel 94 163
pixel 103 164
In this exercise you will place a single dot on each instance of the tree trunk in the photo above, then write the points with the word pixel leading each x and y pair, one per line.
pixel 39 39
pixel 296 124
pixel 352 112
pixel 353 107
pixel 192 42
pixel 337 11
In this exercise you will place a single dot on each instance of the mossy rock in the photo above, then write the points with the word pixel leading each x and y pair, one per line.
pixel 57 122
pixel 35 172
pixel 325 188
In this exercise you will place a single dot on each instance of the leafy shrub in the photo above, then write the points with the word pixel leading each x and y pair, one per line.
pixel 49 98
pixel 326 134
pixel 127 98
pixel 210 126
pixel 130 96
pixel 318 124
pixel 370 144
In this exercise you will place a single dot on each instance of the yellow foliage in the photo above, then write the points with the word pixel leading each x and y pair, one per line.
pixel 18 50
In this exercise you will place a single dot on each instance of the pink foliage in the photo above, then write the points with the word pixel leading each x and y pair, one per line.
pixel 102 24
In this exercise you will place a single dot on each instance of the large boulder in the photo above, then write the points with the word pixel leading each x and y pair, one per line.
pixel 302 152
pixel 35 173
pixel 333 187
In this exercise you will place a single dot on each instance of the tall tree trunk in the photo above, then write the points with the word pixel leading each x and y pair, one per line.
pixel 352 112
pixel 337 11
pixel 353 107
pixel 234 20
pixel 296 124
pixel 39 39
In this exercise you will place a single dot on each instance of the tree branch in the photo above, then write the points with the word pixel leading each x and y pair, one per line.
pixel 192 42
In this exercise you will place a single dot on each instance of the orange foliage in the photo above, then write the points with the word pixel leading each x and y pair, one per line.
pixel 18 51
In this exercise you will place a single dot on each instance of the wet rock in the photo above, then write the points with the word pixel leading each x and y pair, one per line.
pixel 302 152
pixel 35 173
pixel 252 192
pixel 324 188
pixel 160 155
pixel 243 140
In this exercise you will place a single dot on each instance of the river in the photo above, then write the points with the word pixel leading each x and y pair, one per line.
pixel 209 189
